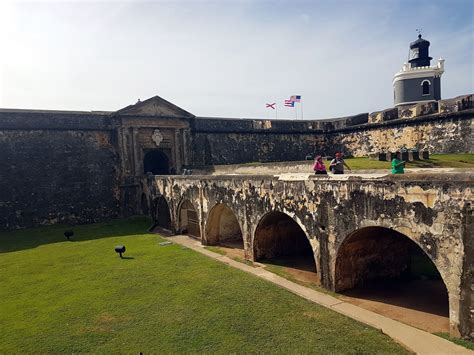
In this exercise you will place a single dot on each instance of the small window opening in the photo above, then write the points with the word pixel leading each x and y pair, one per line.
pixel 426 87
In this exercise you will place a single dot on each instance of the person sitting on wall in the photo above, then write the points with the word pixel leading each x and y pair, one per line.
pixel 398 165
pixel 337 164
pixel 319 167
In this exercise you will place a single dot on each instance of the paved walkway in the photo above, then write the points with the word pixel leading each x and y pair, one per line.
pixel 414 339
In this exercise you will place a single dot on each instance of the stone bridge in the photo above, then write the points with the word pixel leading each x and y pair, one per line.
pixel 358 228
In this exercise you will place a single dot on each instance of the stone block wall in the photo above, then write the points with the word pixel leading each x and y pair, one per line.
pixel 234 148
pixel 56 170
pixel 449 133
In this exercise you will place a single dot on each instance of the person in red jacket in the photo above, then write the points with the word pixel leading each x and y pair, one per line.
pixel 319 167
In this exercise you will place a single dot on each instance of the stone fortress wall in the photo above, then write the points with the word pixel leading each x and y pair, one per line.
pixel 441 127
pixel 79 167
pixel 56 167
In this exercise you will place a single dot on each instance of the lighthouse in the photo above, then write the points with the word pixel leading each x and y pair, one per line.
pixel 418 81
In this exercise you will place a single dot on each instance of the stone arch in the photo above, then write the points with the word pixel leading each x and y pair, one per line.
pixel 162 213
pixel 278 235
pixel 157 162
pixel 381 264
pixel 188 219
pixel 223 227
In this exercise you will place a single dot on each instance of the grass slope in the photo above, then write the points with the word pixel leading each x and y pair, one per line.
pixel 79 296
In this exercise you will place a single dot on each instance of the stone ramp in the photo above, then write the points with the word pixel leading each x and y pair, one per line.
pixel 414 339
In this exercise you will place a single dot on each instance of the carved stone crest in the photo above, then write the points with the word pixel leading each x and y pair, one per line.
pixel 157 137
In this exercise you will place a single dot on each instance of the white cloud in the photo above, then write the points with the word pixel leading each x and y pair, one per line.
pixel 217 59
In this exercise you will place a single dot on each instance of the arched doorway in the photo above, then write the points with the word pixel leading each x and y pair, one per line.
pixel 188 220
pixel 223 228
pixel 162 213
pixel 156 162
pixel 279 240
pixel 386 272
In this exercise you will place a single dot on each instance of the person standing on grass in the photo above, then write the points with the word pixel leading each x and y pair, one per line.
pixel 319 167
pixel 337 164
pixel 398 165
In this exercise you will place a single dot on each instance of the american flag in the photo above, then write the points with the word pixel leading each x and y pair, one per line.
pixel 289 103
pixel 295 98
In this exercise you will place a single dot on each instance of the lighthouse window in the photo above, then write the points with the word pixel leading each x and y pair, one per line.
pixel 426 87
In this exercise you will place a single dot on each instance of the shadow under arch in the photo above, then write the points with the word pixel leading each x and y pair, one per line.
pixel 280 240
pixel 188 219
pixel 223 227
pixel 162 215
pixel 387 272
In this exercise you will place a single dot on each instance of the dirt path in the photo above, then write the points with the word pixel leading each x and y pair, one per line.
pixel 422 304
pixel 233 249
pixel 302 269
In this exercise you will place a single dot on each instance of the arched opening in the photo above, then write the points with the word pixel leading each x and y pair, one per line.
pixel 162 213
pixel 426 87
pixel 156 162
pixel 223 229
pixel 280 241
pixel 384 271
pixel 188 220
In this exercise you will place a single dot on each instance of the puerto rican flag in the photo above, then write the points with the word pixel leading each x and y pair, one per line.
pixel 295 98
pixel 289 103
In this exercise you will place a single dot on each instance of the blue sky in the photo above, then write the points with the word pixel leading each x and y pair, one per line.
pixel 226 58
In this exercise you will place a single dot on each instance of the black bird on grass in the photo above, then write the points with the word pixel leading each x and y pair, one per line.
pixel 68 234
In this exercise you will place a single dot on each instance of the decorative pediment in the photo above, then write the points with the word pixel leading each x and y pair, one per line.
pixel 156 107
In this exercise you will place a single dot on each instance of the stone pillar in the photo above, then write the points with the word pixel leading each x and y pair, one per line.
pixel 177 151
pixel 135 163
pixel 466 301
pixel 186 148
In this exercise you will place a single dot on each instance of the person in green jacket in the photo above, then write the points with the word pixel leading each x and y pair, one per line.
pixel 398 165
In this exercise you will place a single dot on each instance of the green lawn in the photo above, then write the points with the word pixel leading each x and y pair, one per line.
pixel 79 296
pixel 435 161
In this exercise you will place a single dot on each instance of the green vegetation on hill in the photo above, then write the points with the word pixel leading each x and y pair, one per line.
pixel 79 296
pixel 435 161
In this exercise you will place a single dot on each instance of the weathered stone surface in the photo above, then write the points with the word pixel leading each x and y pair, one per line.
pixel 460 103
pixel 52 176
pixel 427 209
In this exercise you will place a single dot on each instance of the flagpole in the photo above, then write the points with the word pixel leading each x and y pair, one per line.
pixel 301 108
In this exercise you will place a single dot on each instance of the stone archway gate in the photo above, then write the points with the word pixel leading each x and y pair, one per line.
pixel 433 210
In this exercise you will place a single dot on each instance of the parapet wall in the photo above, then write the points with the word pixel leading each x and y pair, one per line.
pixel 225 141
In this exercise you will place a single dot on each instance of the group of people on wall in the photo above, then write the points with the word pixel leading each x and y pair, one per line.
pixel 336 166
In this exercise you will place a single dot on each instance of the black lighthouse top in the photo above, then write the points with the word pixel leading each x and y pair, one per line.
pixel 419 53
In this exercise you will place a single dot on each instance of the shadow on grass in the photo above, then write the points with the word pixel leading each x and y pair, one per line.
pixel 33 237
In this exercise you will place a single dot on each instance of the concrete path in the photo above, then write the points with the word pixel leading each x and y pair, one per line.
pixel 412 338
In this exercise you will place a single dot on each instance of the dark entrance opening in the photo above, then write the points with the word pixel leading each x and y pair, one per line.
pixel 188 220
pixel 386 272
pixel 156 162
pixel 280 241
pixel 162 213
pixel 223 229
